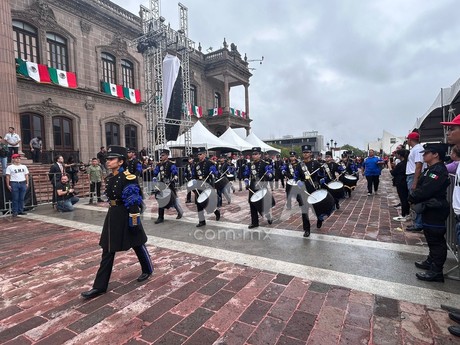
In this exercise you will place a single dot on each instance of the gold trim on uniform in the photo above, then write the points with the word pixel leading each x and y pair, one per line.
pixel 129 176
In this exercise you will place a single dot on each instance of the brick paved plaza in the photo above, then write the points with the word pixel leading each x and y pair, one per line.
pixel 286 290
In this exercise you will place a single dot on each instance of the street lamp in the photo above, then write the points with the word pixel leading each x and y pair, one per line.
pixel 335 144
pixel 327 146
pixel 332 142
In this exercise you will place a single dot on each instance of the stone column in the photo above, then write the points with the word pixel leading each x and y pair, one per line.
pixel 246 99
pixel 226 95
pixel 9 108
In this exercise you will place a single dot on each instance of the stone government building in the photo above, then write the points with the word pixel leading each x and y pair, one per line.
pixel 93 39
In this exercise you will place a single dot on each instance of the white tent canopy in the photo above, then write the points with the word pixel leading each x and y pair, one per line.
pixel 231 137
pixel 255 141
pixel 202 137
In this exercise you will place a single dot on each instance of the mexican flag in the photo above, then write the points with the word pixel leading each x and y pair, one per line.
pixel 37 72
pixel 112 89
pixel 243 114
pixel 232 111
pixel 132 95
pixel 197 111
pixel 63 78
pixel 215 111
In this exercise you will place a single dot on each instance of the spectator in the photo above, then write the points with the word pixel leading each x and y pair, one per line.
pixel 3 155
pixel 95 180
pixel 55 173
pixel 143 153
pixel 372 172
pixel 36 148
pixel 399 181
pixel 102 157
pixel 13 139
pixel 455 157
pixel 71 168
pixel 413 172
pixel 65 195
pixel 17 180
pixel 453 138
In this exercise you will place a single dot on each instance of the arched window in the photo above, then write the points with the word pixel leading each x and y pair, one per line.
pixel 25 41
pixel 32 126
pixel 112 133
pixel 108 68
pixel 217 100
pixel 127 73
pixel 193 95
pixel 131 136
pixel 62 133
pixel 57 51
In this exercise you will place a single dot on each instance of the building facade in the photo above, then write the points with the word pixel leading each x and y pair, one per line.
pixel 308 138
pixel 92 39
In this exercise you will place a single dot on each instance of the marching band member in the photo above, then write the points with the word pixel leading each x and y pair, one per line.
pixel 277 166
pixel 241 163
pixel 350 169
pixel 257 174
pixel 288 171
pixel 188 175
pixel 166 171
pixel 307 175
pixel 330 170
pixel 122 228
pixel 269 161
pixel 205 171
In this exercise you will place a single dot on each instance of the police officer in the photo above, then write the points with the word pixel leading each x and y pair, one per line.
pixel 205 172
pixel 308 176
pixel 134 165
pixel 122 228
pixel 257 175
pixel 429 199
pixel 167 173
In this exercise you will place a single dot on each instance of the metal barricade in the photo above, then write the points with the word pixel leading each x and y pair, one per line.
pixel 451 236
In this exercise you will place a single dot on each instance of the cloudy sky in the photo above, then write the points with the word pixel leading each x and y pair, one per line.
pixel 346 68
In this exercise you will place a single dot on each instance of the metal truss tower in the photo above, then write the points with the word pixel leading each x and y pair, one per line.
pixel 157 39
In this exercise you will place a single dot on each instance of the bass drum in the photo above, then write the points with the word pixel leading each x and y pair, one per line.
pixel 350 181
pixel 207 200
pixel 221 183
pixel 165 198
pixel 336 189
pixel 262 200
pixel 322 201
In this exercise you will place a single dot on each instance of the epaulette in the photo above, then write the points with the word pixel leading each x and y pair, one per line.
pixel 129 176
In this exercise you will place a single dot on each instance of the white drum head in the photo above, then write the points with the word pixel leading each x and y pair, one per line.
pixel 191 183
pixel 317 196
pixel 164 194
pixel 335 185
pixel 291 182
pixel 230 176
pixel 204 195
pixel 351 177
pixel 259 195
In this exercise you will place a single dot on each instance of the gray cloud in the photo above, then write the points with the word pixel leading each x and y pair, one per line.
pixel 348 69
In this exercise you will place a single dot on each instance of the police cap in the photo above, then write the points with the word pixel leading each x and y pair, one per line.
pixel 115 151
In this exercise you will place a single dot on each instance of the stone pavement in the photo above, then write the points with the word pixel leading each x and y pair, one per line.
pixel 213 292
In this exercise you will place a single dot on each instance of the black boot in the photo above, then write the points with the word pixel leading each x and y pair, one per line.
pixel 306 233
pixel 200 224
pixel 319 223
pixel 217 213
pixel 434 274
pixel 159 220
pixel 424 265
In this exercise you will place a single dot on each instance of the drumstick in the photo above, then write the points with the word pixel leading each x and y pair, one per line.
pixel 224 172
pixel 343 172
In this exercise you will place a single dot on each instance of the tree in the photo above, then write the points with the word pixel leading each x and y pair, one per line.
pixel 354 150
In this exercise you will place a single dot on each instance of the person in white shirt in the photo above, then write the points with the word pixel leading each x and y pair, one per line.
pixel 413 171
pixel 13 141
pixel 17 180
pixel 453 138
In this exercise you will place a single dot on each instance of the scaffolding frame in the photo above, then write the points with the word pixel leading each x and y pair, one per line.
pixel 157 39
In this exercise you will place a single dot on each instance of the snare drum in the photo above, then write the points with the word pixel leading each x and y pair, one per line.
pixel 322 201
pixel 221 183
pixel 191 185
pixel 350 181
pixel 262 200
pixel 292 188
pixel 231 177
pixel 336 189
